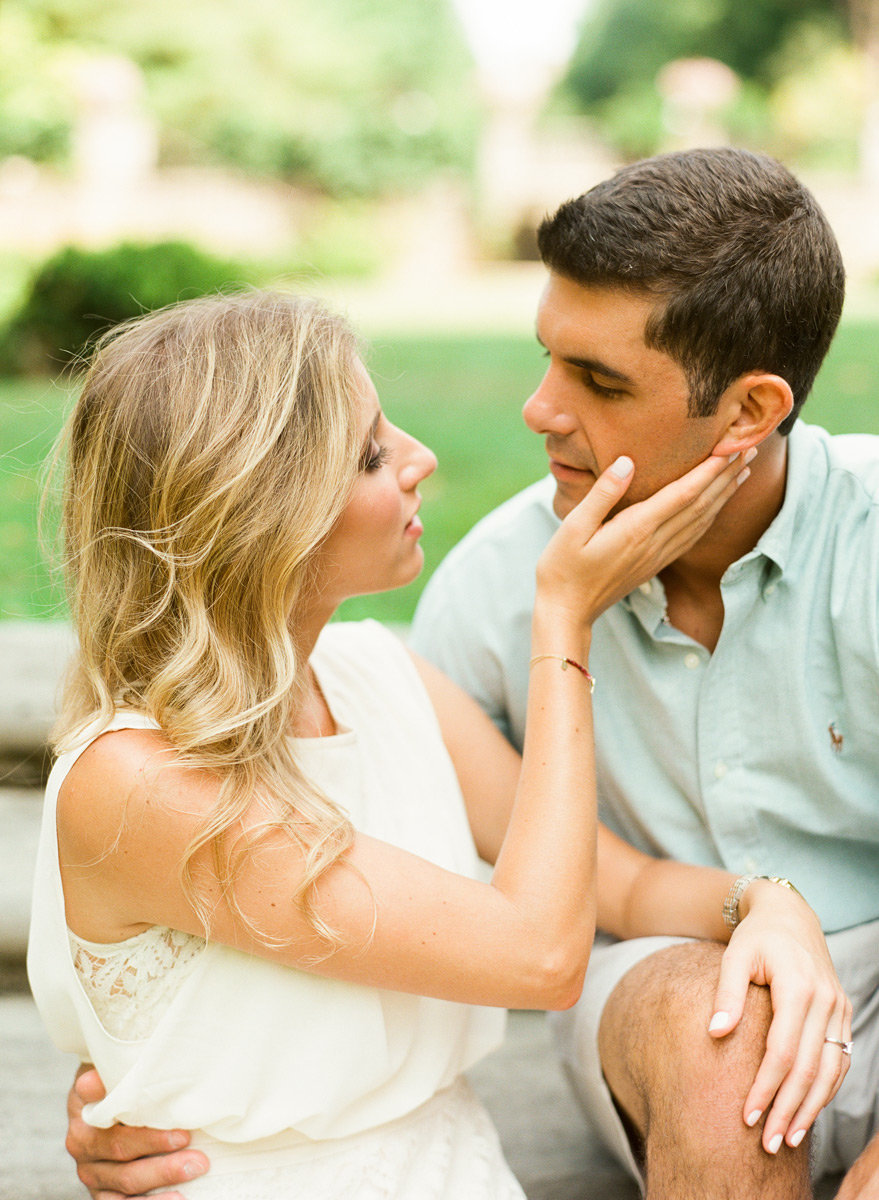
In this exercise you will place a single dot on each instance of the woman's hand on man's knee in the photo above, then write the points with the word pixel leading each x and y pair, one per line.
pixel 779 944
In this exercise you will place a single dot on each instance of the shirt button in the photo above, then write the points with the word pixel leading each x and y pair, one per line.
pixel 769 589
pixel 751 866
pixel 719 770
pixel 692 660
pixel 646 589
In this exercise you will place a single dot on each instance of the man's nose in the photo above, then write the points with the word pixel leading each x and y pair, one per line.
pixel 545 412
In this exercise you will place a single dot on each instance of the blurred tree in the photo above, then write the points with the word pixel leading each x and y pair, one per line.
pixel 350 96
pixel 864 15
pixel 34 103
pixel 625 42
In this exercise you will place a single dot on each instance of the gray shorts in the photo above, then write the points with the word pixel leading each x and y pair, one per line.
pixel 841 1130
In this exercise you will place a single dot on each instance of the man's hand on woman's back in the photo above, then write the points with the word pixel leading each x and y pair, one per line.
pixel 124 1161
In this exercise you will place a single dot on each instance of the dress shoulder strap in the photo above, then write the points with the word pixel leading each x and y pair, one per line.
pixel 124 718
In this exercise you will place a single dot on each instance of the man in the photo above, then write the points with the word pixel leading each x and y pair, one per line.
pixel 690 302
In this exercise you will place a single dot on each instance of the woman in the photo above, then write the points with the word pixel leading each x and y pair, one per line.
pixel 255 909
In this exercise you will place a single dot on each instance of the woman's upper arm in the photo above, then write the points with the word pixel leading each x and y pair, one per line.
pixel 404 923
pixel 486 764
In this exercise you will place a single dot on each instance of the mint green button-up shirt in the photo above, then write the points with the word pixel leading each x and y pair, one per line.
pixel 761 757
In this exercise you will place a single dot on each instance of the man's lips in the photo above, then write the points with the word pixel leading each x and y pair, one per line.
pixel 564 471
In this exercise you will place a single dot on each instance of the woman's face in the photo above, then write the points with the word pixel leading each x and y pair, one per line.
pixel 374 545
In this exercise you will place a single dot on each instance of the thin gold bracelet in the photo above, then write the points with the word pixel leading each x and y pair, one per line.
pixel 566 662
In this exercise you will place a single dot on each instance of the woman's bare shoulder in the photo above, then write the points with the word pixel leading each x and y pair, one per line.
pixel 116 781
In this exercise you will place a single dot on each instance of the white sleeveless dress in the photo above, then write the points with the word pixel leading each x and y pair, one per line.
pixel 295 1085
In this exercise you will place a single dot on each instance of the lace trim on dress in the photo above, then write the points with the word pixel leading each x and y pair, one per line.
pixel 447 1149
pixel 131 984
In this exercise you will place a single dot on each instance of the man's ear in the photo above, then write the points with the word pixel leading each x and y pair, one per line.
pixel 756 404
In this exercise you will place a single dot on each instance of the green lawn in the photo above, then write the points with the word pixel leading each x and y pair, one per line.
pixel 31 412
pixel 461 395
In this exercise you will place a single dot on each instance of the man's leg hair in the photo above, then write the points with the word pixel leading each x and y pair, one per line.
pixel 683 1092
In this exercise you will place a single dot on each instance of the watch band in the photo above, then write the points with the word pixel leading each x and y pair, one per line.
pixel 731 915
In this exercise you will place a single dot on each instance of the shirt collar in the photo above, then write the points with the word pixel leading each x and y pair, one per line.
pixel 806 466
pixel 545 490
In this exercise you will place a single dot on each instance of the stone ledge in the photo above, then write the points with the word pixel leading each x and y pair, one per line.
pixel 33 656
pixel 20 813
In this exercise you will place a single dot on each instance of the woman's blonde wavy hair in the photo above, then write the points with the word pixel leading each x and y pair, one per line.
pixel 212 449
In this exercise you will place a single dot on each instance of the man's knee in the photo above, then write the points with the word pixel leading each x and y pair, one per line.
pixel 655 1050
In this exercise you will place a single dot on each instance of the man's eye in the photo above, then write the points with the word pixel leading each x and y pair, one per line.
pixel 599 388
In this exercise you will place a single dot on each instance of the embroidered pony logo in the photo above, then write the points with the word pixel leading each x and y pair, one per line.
pixel 835 738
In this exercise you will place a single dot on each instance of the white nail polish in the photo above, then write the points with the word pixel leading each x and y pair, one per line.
pixel 774 1144
pixel 797 1137
pixel 732 458
pixel 752 1118
pixel 751 455
pixel 622 468
pixel 743 475
pixel 718 1021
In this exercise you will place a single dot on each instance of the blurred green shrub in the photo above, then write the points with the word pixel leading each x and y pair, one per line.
pixel 78 293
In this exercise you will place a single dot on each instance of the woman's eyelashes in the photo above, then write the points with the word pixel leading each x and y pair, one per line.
pixel 376 457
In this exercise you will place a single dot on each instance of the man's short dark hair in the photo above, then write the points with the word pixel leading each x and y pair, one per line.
pixel 744 265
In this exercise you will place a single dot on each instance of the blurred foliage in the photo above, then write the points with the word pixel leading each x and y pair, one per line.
pixel 341 240
pixel 78 293
pixel 49 313
pixel 34 96
pixel 624 42
pixel 819 100
pixel 16 272
pixel 802 85
pixel 353 97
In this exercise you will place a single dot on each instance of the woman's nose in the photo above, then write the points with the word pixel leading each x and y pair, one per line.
pixel 420 462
